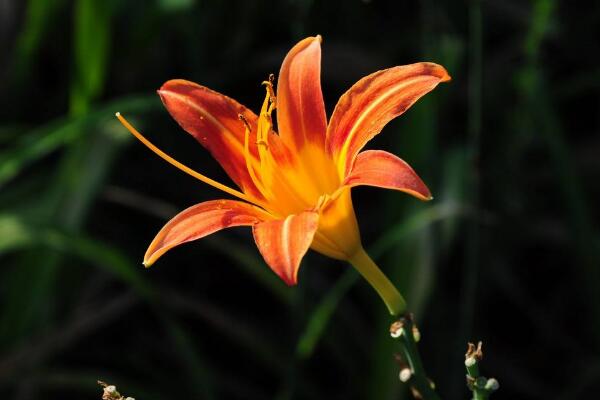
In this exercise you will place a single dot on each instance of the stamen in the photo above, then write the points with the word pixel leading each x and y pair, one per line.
pixel 245 121
pixel 323 200
pixel 338 192
pixel 179 165
pixel 247 158
pixel 271 92
pixel 264 126
pixel 268 167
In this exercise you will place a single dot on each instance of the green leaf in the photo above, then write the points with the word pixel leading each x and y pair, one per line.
pixel 41 141
pixel 39 16
pixel 16 234
pixel 92 26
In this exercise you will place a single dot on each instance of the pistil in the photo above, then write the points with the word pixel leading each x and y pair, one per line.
pixel 179 165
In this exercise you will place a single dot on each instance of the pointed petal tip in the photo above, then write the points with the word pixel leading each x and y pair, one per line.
pixel 425 194
pixel 283 243
pixel 379 168
pixel 438 71
pixel 422 194
pixel 147 263
pixel 446 77
pixel 319 38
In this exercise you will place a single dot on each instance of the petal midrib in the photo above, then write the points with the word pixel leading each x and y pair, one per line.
pixel 341 157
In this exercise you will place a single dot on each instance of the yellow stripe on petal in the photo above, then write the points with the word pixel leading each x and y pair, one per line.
pixel 301 110
pixel 202 220
pixel 283 243
pixel 382 169
pixel 372 102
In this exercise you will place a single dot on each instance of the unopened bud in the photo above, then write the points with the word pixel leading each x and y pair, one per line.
pixel 470 361
pixel 396 329
pixel 397 334
pixel 405 375
pixel 416 333
pixel 492 384
pixel 480 382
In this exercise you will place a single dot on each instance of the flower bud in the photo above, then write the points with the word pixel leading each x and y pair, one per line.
pixel 492 384
pixel 416 333
pixel 405 375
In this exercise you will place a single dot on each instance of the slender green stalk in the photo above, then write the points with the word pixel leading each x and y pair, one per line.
pixel 466 315
pixel 412 371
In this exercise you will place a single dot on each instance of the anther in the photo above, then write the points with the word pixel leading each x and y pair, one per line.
pixel 179 165
pixel 245 121
pixel 269 85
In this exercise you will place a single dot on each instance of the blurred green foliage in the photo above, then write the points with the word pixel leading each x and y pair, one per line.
pixel 508 252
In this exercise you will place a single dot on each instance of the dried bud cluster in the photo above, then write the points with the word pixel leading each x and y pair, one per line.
pixel 396 329
pixel 110 392
pixel 480 385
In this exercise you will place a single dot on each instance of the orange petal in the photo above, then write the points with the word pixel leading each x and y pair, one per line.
pixel 372 102
pixel 201 220
pixel 300 107
pixel 212 119
pixel 283 243
pixel 382 169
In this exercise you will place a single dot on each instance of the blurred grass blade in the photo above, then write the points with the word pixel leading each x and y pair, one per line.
pixel 41 141
pixel 454 190
pixel 175 5
pixel 201 380
pixel 322 314
pixel 17 234
pixel 39 15
pixel 413 224
pixel 542 117
pixel 248 260
pixel 245 257
pixel 92 26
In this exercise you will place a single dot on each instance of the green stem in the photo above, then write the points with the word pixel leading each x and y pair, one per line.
pixel 418 381
pixel 473 375
pixel 386 290
pixel 481 387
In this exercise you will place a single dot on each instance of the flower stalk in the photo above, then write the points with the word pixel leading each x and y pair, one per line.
pixel 377 279
pixel 412 371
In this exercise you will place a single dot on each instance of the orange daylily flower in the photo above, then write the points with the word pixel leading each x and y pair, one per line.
pixel 295 185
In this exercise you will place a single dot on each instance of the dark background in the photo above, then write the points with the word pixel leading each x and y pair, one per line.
pixel 507 253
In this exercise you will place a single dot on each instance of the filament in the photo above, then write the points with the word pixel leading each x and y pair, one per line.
pixel 177 164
